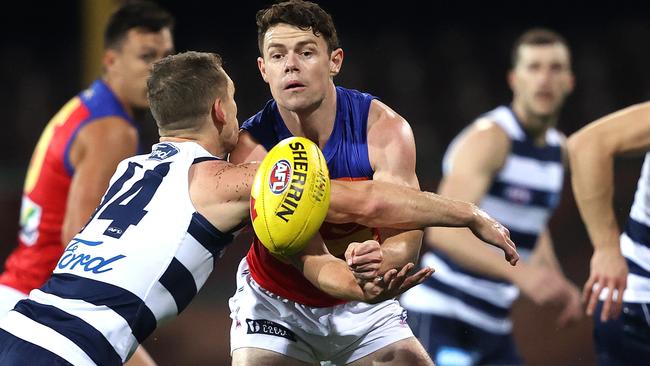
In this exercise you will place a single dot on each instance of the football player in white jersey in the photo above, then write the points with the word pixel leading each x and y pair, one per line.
pixel 510 163
pixel 166 217
pixel 620 265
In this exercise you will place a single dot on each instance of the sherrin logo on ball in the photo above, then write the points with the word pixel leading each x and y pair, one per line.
pixel 290 196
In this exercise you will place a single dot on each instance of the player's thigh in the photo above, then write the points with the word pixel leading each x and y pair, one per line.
pixel 249 356
pixel 408 351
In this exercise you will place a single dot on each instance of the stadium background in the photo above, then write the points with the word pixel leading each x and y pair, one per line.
pixel 439 65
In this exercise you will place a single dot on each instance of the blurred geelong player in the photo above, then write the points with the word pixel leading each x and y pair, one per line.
pixel 362 139
pixel 510 162
pixel 620 265
pixel 81 145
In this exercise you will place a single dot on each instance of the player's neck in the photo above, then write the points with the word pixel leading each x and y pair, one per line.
pixel 211 146
pixel 534 125
pixel 314 123
pixel 114 87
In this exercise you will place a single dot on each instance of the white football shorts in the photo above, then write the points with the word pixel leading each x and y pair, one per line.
pixel 340 334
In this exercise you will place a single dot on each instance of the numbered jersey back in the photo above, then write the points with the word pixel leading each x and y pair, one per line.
pixel 139 260
pixel 141 222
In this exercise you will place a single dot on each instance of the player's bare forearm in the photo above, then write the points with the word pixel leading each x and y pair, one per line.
pixel 326 272
pixel 369 259
pixel 591 155
pixel 467 250
pixel 383 204
pixel 332 276
pixel 592 179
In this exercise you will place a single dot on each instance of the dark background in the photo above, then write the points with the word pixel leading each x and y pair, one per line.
pixel 439 65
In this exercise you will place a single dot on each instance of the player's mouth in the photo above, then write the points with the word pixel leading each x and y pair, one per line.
pixel 294 85
pixel 544 95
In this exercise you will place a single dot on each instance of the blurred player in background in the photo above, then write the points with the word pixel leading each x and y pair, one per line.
pixel 510 162
pixel 620 264
pixel 362 139
pixel 82 144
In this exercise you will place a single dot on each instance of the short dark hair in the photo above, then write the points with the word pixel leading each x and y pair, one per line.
pixel 301 14
pixel 536 37
pixel 135 14
pixel 183 87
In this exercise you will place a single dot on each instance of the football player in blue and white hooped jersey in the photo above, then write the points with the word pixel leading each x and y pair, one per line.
pixel 620 264
pixel 510 163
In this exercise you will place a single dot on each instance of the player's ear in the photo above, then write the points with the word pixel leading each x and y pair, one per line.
pixel 109 58
pixel 218 113
pixel 262 67
pixel 571 82
pixel 336 61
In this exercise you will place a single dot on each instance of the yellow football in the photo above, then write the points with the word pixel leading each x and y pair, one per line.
pixel 290 196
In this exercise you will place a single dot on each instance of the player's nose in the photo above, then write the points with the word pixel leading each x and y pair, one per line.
pixel 291 62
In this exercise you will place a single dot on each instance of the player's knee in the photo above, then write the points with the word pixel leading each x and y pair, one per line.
pixel 406 352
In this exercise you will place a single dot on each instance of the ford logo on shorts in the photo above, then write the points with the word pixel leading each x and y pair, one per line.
pixel 280 176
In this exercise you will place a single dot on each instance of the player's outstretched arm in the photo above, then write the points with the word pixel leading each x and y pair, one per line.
pixel 382 204
pixel 378 203
pixel 591 155
pixel 367 262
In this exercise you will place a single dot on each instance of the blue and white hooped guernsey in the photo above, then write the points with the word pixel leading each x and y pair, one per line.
pixel 138 262
pixel 635 241
pixel 523 196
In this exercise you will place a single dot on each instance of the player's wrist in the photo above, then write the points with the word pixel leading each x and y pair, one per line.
pixel 468 215
pixel 608 248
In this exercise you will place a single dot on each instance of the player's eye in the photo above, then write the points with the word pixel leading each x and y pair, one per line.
pixel 148 57
pixel 534 67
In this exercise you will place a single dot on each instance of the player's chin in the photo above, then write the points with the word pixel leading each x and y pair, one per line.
pixel 545 107
pixel 298 103
pixel 141 103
